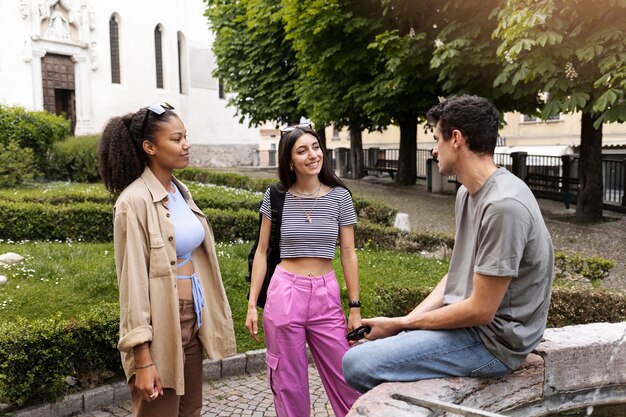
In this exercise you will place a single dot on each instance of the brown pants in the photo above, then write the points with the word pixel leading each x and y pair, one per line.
pixel 170 404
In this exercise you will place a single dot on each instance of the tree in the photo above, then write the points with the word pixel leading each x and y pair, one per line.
pixel 255 60
pixel 331 45
pixel 575 50
pixel 466 56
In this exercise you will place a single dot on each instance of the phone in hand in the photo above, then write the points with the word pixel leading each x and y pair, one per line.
pixel 358 333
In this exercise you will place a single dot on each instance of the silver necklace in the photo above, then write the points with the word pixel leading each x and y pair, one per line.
pixel 316 192
pixel 308 215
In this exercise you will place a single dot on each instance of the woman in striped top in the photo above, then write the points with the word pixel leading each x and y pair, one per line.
pixel 303 303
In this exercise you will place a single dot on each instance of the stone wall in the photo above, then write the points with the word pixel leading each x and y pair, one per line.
pixel 565 372
pixel 219 156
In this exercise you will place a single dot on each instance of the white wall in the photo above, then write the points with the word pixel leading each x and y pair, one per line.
pixel 208 120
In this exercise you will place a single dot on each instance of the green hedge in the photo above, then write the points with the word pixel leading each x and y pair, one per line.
pixel 74 159
pixel 37 356
pixel 36 130
pixel 227 179
pixel 569 305
pixel 17 165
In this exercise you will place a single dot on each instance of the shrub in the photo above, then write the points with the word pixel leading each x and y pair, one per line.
pixel 227 179
pixel 593 268
pixel 17 165
pixel 36 130
pixel 568 306
pixel 74 159
pixel 36 356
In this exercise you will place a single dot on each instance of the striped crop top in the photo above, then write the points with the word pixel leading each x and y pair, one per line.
pixel 317 239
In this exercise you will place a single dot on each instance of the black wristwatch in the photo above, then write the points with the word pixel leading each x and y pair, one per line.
pixel 354 303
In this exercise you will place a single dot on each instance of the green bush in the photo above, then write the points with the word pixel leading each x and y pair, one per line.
pixel 593 268
pixel 74 159
pixel 575 305
pixel 375 211
pixel 36 130
pixel 568 306
pixel 227 179
pixel 37 356
pixel 34 221
pixel 17 165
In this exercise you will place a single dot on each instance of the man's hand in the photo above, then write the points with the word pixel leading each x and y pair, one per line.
pixel 382 327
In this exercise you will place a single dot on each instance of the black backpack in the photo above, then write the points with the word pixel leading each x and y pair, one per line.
pixel 277 200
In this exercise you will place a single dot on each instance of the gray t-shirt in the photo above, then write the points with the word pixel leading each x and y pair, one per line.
pixel 500 232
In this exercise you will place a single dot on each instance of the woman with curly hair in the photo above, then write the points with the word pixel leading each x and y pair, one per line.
pixel 172 299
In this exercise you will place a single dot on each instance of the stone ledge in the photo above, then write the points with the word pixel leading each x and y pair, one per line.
pixel 550 379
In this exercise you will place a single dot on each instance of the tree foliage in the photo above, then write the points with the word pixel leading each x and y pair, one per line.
pixel 575 51
pixel 255 60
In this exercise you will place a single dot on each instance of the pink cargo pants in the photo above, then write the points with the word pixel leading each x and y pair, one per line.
pixel 300 310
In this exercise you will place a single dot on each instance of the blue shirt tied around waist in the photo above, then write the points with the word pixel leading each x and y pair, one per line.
pixel 189 234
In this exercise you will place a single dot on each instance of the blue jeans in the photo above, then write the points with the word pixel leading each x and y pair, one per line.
pixel 420 354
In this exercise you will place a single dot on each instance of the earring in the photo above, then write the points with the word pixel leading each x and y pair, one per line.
pixel 291 167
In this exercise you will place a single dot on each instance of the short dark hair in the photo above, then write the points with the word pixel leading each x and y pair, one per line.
pixel 475 117
pixel 287 141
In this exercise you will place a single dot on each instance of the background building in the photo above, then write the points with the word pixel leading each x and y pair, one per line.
pixel 94 59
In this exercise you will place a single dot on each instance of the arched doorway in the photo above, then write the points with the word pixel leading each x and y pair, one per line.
pixel 59 95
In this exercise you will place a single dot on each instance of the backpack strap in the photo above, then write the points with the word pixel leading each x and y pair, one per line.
pixel 277 201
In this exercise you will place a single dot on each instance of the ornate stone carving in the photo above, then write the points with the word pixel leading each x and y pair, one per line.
pixel 27 50
pixel 93 55
pixel 24 9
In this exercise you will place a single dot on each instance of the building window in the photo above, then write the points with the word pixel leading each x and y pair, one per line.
pixel 158 54
pixel 335 133
pixel 114 40
pixel 180 66
pixel 533 119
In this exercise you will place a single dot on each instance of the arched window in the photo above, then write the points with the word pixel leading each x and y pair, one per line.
pixel 114 43
pixel 158 55
pixel 182 64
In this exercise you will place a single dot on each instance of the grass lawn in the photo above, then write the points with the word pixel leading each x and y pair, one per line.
pixel 69 278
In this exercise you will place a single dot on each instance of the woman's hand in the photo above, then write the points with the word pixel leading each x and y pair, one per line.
pixel 252 322
pixel 148 383
pixel 354 321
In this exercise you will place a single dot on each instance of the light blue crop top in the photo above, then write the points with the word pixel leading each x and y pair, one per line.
pixel 188 231
pixel 189 234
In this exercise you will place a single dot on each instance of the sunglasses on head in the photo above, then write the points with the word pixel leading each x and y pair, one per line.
pixel 157 109
pixel 294 127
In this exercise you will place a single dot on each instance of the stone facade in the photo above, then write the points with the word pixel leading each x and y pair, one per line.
pixel 93 60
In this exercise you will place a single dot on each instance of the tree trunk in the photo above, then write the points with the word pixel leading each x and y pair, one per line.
pixel 590 197
pixel 322 134
pixel 356 152
pixel 407 160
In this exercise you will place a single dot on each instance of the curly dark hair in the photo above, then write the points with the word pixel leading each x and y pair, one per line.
pixel 475 117
pixel 121 158
pixel 287 177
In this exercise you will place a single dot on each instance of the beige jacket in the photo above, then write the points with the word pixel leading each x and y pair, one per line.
pixel 145 257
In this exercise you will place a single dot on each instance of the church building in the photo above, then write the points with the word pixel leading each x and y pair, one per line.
pixel 92 59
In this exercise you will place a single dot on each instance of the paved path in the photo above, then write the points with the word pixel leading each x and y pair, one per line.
pixel 245 395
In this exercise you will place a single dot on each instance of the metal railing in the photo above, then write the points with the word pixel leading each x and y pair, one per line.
pixel 543 174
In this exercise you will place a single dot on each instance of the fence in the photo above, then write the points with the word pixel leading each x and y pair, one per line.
pixel 554 177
